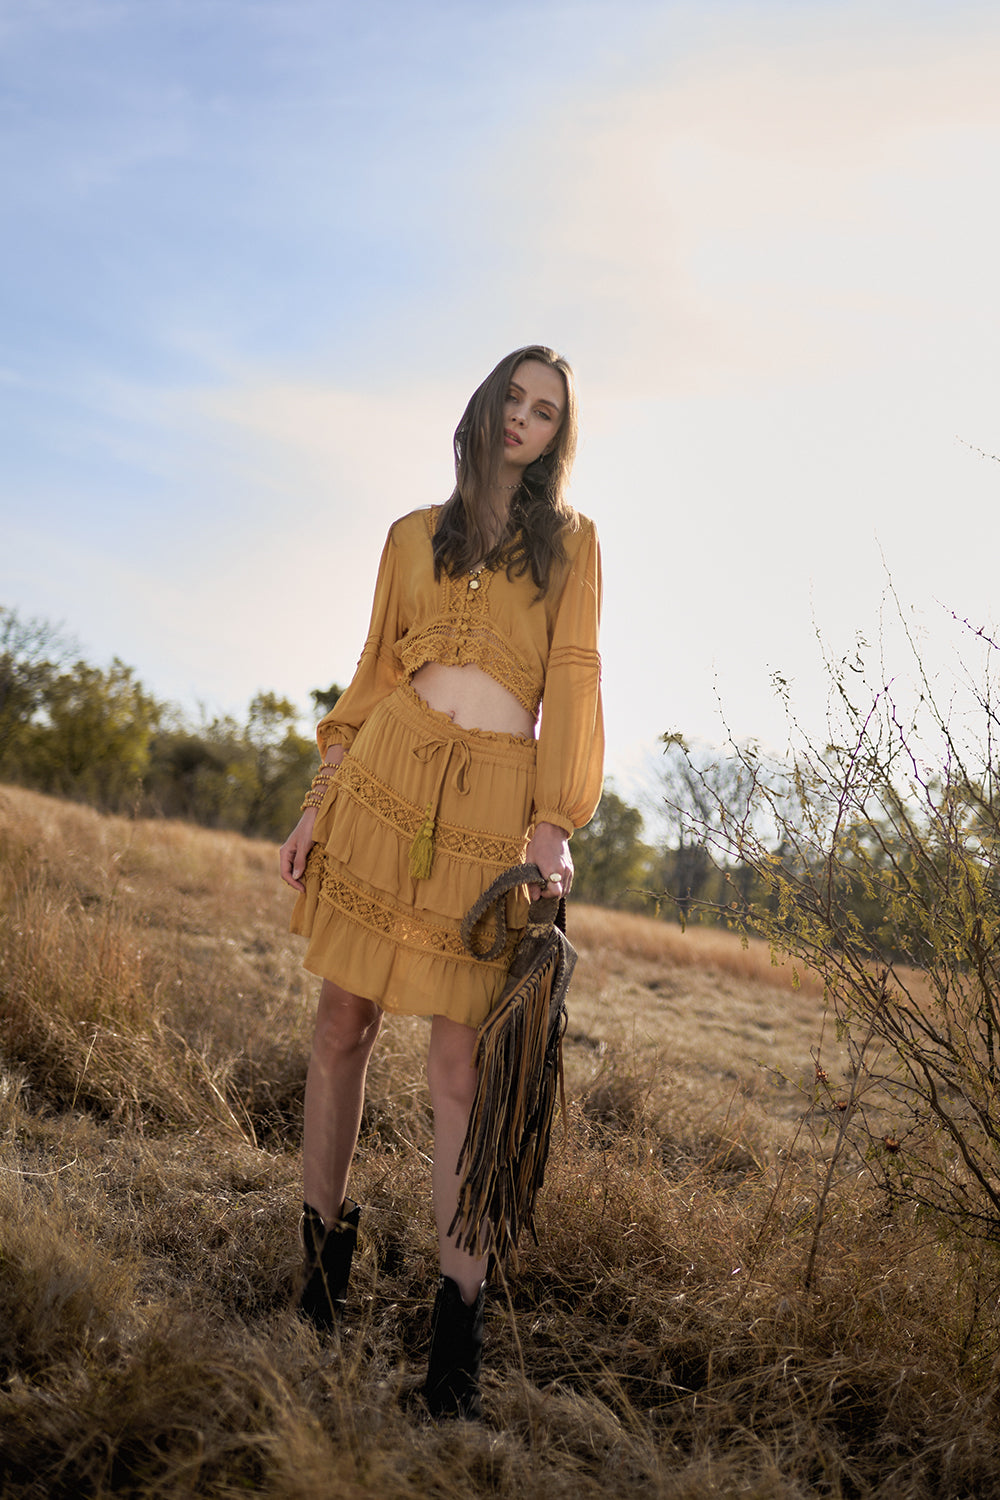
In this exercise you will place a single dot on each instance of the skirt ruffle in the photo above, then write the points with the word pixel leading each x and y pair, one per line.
pixel 375 928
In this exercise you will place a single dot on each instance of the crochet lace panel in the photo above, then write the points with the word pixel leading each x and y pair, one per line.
pixel 379 799
pixel 401 925
pixel 465 635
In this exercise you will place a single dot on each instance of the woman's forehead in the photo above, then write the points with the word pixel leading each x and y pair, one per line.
pixel 541 382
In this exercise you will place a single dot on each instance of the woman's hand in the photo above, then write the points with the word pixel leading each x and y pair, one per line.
pixel 295 850
pixel 548 848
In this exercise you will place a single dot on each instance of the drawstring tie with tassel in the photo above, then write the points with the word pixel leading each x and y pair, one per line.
pixel 422 848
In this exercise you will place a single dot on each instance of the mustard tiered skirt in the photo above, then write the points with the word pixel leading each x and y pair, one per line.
pixel 464 796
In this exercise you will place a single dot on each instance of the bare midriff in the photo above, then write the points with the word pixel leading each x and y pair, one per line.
pixel 471 698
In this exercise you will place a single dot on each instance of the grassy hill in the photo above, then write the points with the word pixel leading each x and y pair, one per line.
pixel 658 1341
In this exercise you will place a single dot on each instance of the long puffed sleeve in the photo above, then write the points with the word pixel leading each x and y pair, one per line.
pixel 571 734
pixel 379 669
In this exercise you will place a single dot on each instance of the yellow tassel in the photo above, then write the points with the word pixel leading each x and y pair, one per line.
pixel 422 848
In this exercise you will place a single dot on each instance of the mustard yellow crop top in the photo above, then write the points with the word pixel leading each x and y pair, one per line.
pixel 543 651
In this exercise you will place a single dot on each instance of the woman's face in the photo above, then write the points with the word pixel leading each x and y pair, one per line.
pixel 533 412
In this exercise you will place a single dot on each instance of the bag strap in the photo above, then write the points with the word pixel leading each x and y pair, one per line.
pixel 546 909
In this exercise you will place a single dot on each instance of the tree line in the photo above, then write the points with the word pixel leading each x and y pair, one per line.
pixel 96 734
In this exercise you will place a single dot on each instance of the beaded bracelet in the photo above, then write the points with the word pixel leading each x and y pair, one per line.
pixel 319 788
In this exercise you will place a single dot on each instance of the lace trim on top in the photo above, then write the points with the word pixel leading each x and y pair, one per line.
pixel 464 635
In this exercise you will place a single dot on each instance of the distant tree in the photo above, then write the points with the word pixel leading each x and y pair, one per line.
pixel 92 736
pixel 280 762
pixel 248 776
pixel 326 700
pixel 32 653
pixel 699 785
pixel 609 855
pixel 188 776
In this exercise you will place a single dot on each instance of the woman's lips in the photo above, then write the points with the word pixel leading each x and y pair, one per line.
pixel 511 437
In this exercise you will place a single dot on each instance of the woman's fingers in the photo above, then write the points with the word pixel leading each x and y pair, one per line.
pixel 288 873
pixel 557 882
pixel 294 851
pixel 292 860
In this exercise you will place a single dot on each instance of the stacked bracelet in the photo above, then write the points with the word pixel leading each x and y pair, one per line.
pixel 319 788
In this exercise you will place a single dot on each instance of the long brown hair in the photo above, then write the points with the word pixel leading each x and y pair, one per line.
pixel 539 512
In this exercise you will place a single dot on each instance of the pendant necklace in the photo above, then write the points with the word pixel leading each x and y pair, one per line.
pixel 475 572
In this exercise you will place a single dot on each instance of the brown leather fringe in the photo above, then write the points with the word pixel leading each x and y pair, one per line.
pixel 519 1057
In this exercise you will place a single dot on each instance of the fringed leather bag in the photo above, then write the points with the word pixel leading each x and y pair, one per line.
pixel 519 1057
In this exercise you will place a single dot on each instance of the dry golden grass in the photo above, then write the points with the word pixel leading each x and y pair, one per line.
pixel 657 1341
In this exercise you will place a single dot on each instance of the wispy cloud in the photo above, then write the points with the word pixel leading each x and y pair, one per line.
pixel 256 281
pixel 759 214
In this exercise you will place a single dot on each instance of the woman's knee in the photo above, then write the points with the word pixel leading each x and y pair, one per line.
pixel 346 1024
pixel 451 1074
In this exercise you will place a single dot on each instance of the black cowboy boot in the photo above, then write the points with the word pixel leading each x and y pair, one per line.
pixel 452 1385
pixel 329 1252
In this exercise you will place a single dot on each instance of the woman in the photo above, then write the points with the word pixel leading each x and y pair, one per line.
pixel 433 781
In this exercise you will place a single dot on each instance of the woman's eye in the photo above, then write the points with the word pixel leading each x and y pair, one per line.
pixel 546 416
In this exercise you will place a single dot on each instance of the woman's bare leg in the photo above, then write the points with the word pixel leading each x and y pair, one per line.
pixel 452 1080
pixel 346 1028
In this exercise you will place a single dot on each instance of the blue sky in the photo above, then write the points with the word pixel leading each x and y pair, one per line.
pixel 255 255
